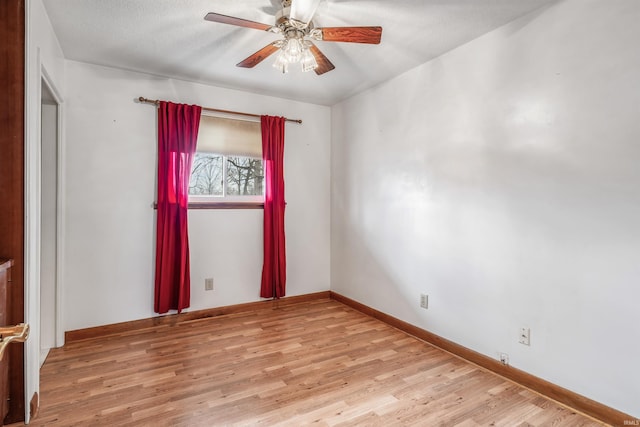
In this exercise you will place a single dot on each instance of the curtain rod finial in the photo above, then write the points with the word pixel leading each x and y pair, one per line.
pixel 150 101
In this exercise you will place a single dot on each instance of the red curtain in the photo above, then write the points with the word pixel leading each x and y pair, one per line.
pixel 177 135
pixel 274 269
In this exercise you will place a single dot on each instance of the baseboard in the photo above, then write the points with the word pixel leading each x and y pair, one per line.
pixel 172 319
pixel 34 406
pixel 559 394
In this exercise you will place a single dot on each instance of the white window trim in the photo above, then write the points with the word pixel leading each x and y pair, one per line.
pixel 224 198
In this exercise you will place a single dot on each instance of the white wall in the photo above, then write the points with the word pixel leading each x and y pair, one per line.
pixel 43 55
pixel 503 179
pixel 110 188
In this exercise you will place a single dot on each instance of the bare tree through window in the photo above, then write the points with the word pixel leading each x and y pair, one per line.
pixel 206 175
pixel 244 175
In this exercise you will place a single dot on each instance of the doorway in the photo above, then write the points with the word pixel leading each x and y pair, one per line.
pixel 49 286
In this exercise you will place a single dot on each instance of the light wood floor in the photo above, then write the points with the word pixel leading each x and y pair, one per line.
pixel 318 363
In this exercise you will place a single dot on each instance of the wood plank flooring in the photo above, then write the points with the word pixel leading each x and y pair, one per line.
pixel 318 362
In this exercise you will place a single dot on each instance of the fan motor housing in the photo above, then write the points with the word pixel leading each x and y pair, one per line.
pixel 285 24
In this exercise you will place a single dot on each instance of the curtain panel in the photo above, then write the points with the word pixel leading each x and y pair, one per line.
pixel 177 135
pixel 274 269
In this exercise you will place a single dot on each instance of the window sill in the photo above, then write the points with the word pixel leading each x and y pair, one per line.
pixel 226 205
pixel 222 205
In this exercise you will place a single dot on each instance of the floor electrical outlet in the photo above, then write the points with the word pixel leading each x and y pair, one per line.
pixel 525 334
pixel 208 284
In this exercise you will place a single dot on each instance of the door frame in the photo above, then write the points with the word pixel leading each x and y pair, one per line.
pixel 46 79
pixel 36 74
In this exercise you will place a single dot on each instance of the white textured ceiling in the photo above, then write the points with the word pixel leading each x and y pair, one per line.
pixel 171 38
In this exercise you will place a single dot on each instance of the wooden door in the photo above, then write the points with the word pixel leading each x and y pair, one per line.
pixel 5 274
pixel 12 202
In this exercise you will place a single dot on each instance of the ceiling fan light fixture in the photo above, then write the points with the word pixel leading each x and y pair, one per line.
pixel 281 64
pixel 308 61
pixel 295 50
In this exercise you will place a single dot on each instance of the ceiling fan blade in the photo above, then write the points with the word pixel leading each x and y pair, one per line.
pixel 369 35
pixel 259 56
pixel 303 10
pixel 324 65
pixel 224 19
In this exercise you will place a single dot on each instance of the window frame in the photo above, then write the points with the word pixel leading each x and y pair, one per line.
pixel 225 201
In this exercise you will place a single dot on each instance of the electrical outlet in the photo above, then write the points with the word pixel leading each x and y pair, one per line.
pixel 208 284
pixel 504 359
pixel 424 301
pixel 525 334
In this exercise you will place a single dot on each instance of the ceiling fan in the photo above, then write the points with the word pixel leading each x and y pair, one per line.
pixel 295 23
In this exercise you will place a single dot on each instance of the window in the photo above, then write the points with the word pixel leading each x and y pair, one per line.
pixel 227 166
pixel 206 175
pixel 226 176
